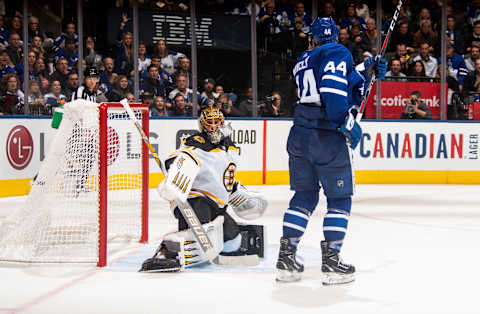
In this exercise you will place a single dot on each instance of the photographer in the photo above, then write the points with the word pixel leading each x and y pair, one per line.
pixel 273 107
pixel 415 108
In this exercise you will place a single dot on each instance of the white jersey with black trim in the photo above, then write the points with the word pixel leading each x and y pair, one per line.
pixel 216 176
pixel 83 93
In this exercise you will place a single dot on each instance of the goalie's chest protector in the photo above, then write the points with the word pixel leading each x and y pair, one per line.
pixel 217 173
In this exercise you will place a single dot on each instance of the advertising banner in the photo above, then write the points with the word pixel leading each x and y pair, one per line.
pixel 396 94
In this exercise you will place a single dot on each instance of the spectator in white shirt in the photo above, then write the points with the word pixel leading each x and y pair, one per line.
pixel 428 61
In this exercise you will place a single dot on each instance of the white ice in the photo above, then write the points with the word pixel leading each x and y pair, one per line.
pixel 415 249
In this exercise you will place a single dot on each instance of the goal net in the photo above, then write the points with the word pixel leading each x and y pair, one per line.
pixel 92 188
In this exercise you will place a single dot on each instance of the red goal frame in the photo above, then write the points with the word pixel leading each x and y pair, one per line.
pixel 103 176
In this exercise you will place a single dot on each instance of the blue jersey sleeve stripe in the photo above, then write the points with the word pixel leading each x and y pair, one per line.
pixel 333 91
pixel 335 78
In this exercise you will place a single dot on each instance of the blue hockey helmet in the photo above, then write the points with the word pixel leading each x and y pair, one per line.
pixel 324 30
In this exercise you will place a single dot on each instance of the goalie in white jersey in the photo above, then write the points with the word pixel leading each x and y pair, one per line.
pixel 205 169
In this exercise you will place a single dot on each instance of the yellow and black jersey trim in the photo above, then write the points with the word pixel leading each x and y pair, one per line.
pixel 187 151
pixel 203 193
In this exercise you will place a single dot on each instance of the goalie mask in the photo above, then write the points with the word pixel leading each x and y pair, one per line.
pixel 212 121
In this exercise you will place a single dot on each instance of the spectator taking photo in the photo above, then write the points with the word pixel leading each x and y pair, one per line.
pixel 415 108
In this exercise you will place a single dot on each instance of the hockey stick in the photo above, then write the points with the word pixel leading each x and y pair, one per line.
pixel 382 53
pixel 185 209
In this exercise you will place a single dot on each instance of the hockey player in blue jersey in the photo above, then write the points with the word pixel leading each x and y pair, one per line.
pixel 320 145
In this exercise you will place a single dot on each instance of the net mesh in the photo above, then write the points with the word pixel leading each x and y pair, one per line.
pixel 60 219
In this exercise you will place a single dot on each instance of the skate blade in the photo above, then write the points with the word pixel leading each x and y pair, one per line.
pixel 288 276
pixel 337 279
pixel 165 270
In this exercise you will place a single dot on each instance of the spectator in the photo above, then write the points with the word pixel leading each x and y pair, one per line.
pixel 36 101
pixel 361 9
pixel 6 64
pixel 402 35
pixel 187 93
pixel 55 95
pixel 456 65
pixel 158 107
pixel 299 39
pixel 473 38
pixel 92 58
pixel 172 6
pixel 119 90
pixel 41 73
pixel 147 98
pixel 72 85
pixel 425 35
pixel 369 37
pixel 226 105
pixel 14 48
pixel 143 60
pixel 12 98
pixel 152 83
pixel 124 56
pixel 37 47
pixel 328 10
pixel 16 25
pixel 88 90
pixel 271 29
pixel 130 98
pixel 180 107
pixel 472 81
pixel 415 108
pixel 344 39
pixel 244 108
pixel 107 76
pixel 163 76
pixel 4 33
pixel 429 63
pixel 299 13
pixel 423 16
pixel 402 55
pixel 69 53
pixel 34 28
pixel 219 89
pixel 183 69
pixel 274 107
pixel 357 48
pixel 169 58
pixel 418 71
pixel 61 72
pixel 69 34
pixel 471 57
pixel 351 18
pixel 454 35
pixel 209 86
pixel 395 71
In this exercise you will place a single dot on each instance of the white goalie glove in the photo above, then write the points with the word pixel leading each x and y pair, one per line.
pixel 180 177
pixel 247 204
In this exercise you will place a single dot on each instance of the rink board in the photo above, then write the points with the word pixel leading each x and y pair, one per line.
pixel 391 152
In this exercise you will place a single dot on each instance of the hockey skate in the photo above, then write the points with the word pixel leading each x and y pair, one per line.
pixel 288 267
pixel 334 270
pixel 164 260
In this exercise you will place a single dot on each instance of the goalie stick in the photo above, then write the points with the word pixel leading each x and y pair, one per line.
pixel 185 209
pixel 382 53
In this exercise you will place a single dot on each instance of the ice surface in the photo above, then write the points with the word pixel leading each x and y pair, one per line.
pixel 415 248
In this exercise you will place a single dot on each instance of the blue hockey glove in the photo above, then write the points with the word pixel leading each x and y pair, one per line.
pixel 378 64
pixel 352 130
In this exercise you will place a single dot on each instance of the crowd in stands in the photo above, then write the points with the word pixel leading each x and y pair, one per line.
pixel 283 27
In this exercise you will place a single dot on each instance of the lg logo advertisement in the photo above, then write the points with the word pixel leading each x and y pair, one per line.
pixel 19 147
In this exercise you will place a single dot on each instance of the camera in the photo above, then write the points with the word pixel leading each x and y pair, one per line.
pixel 225 105
pixel 411 106
pixel 271 98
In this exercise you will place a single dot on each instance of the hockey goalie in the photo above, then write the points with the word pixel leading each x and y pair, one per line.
pixel 203 172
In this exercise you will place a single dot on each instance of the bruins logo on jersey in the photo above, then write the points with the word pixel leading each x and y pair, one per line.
pixel 229 176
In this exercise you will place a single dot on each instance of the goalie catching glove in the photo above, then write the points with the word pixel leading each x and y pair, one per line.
pixel 247 204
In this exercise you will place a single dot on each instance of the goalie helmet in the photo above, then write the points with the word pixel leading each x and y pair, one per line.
pixel 211 121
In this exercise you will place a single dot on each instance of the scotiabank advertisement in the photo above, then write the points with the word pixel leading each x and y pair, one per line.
pixel 396 94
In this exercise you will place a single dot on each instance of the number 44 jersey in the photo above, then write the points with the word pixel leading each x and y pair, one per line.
pixel 218 163
pixel 325 78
